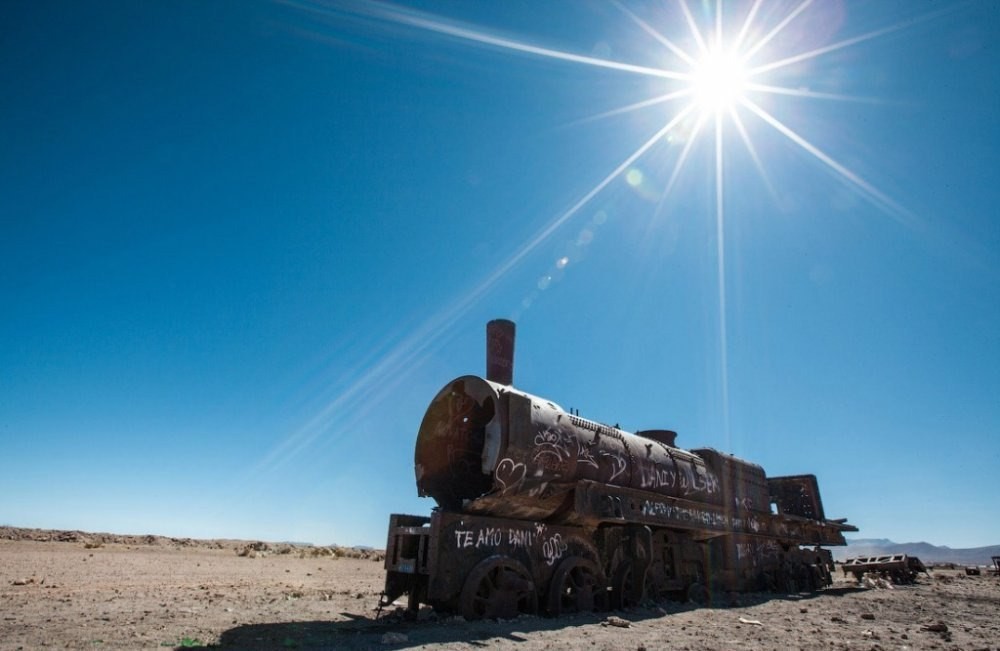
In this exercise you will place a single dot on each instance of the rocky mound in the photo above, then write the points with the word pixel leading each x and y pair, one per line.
pixel 252 549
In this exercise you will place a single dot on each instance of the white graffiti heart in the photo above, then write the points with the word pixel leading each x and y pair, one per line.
pixel 509 475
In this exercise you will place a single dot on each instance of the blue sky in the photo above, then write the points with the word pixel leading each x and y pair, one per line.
pixel 243 245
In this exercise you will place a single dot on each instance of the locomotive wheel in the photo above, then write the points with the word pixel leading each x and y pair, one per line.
pixel 577 587
pixel 498 588
pixel 626 591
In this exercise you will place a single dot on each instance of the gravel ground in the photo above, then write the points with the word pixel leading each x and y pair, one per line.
pixel 81 591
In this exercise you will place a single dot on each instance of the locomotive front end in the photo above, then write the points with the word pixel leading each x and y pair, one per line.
pixel 459 441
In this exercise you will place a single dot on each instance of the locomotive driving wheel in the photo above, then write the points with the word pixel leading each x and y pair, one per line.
pixel 627 586
pixel 498 588
pixel 577 587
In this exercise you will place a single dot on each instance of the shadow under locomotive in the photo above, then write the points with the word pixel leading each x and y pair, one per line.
pixel 369 633
pixel 542 511
pixel 429 628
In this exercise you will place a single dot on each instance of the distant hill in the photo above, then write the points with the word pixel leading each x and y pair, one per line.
pixel 926 552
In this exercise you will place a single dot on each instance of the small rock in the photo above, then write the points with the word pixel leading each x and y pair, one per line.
pixel 394 638
pixel 838 619
pixel 867 616
pixel 616 621
pixel 937 627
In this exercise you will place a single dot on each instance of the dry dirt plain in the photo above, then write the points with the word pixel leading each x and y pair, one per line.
pixel 87 591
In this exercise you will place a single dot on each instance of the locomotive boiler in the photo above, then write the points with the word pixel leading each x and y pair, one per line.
pixel 539 509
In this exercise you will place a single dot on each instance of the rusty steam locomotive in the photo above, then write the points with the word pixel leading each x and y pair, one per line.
pixel 540 510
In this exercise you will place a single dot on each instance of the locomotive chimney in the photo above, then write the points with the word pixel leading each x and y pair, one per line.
pixel 500 351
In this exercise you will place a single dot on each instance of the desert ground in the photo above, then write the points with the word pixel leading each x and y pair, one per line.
pixel 70 590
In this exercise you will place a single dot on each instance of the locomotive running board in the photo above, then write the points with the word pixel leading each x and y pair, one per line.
pixel 598 503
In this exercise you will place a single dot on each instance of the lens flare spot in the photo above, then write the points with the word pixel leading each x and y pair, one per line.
pixel 634 177
pixel 562 262
pixel 544 282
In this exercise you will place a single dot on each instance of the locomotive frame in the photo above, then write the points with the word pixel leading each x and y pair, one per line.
pixel 540 510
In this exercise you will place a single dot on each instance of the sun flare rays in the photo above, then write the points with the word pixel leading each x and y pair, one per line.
pixel 713 74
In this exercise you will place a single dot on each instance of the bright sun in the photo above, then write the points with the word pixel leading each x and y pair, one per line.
pixel 718 80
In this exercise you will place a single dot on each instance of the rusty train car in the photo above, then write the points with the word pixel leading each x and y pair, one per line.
pixel 542 511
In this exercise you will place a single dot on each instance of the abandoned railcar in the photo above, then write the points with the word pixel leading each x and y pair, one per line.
pixel 540 510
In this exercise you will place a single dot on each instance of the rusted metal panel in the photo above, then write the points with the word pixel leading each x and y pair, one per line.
pixel 600 503
pixel 797 495
pixel 744 484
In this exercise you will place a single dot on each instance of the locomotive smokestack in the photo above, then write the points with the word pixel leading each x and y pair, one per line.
pixel 500 351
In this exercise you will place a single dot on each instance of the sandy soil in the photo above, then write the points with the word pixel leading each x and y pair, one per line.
pixel 146 593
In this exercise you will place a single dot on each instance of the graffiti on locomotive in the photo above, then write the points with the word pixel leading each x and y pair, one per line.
pixel 551 545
